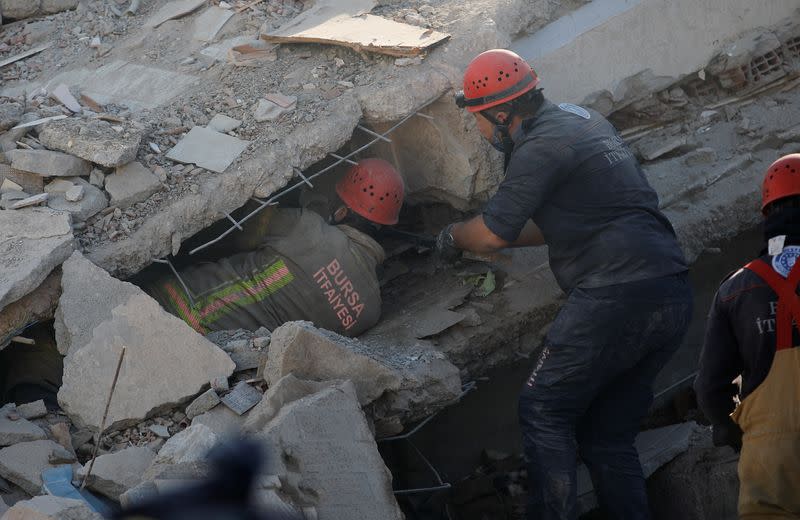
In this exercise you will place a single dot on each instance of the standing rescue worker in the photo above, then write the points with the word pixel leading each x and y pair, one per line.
pixel 752 331
pixel 572 183
pixel 297 266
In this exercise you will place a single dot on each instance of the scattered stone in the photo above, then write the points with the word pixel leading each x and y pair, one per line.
pixel 261 342
pixel 172 10
pixel 242 398
pixel 338 62
pixel 186 447
pixel 113 474
pixel 700 156
pixel 49 507
pixel 33 200
pixel 48 163
pixel 346 84
pixel 32 410
pixel 35 241
pixel 221 420
pixel 154 147
pixel 160 430
pixel 210 22
pixel 18 430
pixel 91 200
pixel 174 374
pixel 92 140
pixel 130 184
pixel 74 194
pixel 207 149
pixel 24 462
pixel 405 62
pixel 59 432
pixel 8 198
pixel 203 403
pixel 10 115
pixel 89 293
pixel 58 186
pixel 220 384
pixel 333 453
pixel 224 124
pixel 60 455
pixel 95 42
pixel 242 353
pixel 268 111
pixel 62 94
pixel 660 145
pixel 97 178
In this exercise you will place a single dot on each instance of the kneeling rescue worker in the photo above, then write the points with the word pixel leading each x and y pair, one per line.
pixel 294 265
pixel 752 331
pixel 572 183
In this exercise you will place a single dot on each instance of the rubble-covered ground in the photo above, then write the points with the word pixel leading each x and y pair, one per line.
pixel 130 137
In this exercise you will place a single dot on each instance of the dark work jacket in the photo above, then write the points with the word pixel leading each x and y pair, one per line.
pixel 740 339
pixel 575 177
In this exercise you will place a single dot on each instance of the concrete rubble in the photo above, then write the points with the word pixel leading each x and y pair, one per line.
pixel 15 428
pixel 115 473
pixel 51 508
pixel 92 140
pixel 48 163
pixel 131 183
pixel 23 463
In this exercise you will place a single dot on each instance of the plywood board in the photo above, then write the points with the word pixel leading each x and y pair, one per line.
pixel 346 23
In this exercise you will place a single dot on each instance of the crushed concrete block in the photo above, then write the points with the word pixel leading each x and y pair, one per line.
pixel 74 194
pixel 97 178
pixel 48 163
pixel 38 305
pixel 34 200
pixel 32 410
pixel 654 147
pixel 130 184
pixel 47 507
pixel 243 354
pixel 186 447
pixel 89 293
pixel 35 241
pixel 207 149
pixel 274 106
pixel 160 430
pixel 286 390
pixel 10 115
pixel 700 156
pixel 91 202
pixel 17 430
pixel 58 186
pixel 221 420
pixel 336 467
pixel 203 403
pixel 224 124
pixel 210 22
pixel 93 140
pixel 172 10
pixel 24 462
pixel 161 349
pixel 115 473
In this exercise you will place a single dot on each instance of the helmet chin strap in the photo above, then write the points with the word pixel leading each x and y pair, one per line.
pixel 503 135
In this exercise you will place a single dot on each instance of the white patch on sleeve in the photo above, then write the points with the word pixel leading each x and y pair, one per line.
pixel 784 262
pixel 575 109
pixel 775 245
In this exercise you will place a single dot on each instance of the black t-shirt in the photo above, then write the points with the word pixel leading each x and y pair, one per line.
pixel 574 176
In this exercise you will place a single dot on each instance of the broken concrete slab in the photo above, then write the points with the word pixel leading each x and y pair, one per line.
pixel 24 462
pixel 203 403
pixel 14 428
pixel 659 446
pixel 92 200
pixel 653 148
pixel 219 52
pixel 58 186
pixel 130 184
pixel 49 507
pixel 32 410
pixel 93 140
pixel 9 198
pixel 266 110
pixel 208 149
pixel 286 390
pixel 33 200
pixel 187 448
pixel 62 94
pixel 35 241
pixel 223 124
pixel 222 421
pixel 162 349
pixel 10 115
pixel 210 23
pixel 48 163
pixel 336 467
pixel 9 185
pixel 346 23
pixel 38 305
pixel 74 194
pixel 173 10
pixel 89 294
pixel 115 473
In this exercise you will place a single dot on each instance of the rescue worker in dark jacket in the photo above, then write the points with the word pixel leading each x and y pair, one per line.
pixel 752 331
pixel 294 265
pixel 573 184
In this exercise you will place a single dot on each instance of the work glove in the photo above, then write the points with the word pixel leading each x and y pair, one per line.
pixel 727 433
pixel 446 250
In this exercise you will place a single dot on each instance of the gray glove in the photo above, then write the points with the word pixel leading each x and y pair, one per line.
pixel 446 250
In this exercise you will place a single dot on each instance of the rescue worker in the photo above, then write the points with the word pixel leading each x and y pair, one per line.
pixel 573 184
pixel 294 265
pixel 752 332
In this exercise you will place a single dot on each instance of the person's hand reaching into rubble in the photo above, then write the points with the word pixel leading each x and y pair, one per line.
pixel 446 250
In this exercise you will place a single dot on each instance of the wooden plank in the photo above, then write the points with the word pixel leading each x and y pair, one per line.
pixel 29 52
pixel 344 22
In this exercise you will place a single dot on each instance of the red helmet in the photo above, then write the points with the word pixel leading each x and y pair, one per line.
pixel 781 180
pixel 495 77
pixel 373 189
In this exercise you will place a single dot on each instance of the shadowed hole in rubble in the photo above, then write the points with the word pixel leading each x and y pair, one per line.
pixel 476 444
pixel 31 370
